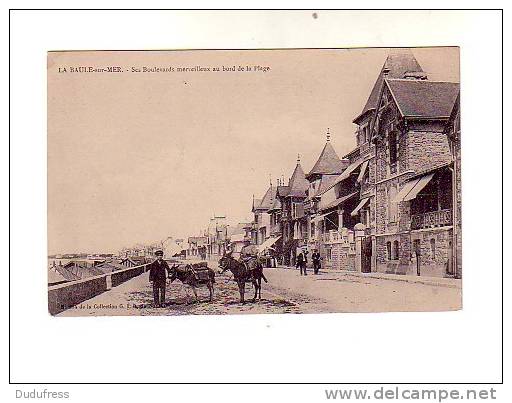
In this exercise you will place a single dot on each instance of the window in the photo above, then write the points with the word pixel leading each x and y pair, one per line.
pixel 392 206
pixel 396 248
pixel 312 229
pixel 393 147
pixel 433 248
pixel 388 245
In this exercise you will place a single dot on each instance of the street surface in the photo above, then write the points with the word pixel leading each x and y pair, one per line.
pixel 285 292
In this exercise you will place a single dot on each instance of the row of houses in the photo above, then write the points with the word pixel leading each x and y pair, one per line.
pixel 219 237
pixel 393 203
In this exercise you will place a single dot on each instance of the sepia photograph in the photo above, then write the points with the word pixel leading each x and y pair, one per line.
pixel 255 204
pixel 199 182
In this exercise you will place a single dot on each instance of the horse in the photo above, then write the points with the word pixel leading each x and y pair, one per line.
pixel 197 276
pixel 243 272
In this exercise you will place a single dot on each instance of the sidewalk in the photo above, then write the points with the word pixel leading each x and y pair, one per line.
pixel 433 281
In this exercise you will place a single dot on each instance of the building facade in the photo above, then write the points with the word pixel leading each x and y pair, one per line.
pixel 216 237
pixel 413 181
pixel 293 218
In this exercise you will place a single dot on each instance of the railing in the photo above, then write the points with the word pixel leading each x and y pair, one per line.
pixel 337 237
pixel 431 220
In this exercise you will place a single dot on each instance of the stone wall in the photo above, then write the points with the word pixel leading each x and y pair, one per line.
pixel 435 250
pixel 67 295
pixel 343 257
pixel 120 276
pixel 433 263
pixel 426 150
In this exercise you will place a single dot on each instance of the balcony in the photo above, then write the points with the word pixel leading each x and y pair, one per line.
pixel 433 219
pixel 337 237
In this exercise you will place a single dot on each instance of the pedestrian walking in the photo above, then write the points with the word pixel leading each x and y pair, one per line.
pixel 158 276
pixel 301 263
pixel 316 261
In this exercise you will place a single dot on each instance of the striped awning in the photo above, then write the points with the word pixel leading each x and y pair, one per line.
pixel 364 167
pixel 268 243
pixel 339 200
pixel 412 188
pixel 422 182
pixel 361 204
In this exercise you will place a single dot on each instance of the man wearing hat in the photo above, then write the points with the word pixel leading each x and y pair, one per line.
pixel 158 276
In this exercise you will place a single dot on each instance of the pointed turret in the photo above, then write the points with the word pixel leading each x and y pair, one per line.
pixel 328 163
pixel 298 183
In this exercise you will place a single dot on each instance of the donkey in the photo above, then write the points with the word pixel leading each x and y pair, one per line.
pixel 243 272
pixel 193 277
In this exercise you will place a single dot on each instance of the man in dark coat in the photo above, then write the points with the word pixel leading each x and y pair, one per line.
pixel 158 276
pixel 301 263
pixel 316 261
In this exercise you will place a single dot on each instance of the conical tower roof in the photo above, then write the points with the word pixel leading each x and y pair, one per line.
pixel 298 183
pixel 328 162
pixel 398 63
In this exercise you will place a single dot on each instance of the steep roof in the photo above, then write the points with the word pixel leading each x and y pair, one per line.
pixel 75 271
pixel 256 204
pixel 424 99
pixel 283 191
pixel 269 198
pixel 298 183
pixel 276 205
pixel 54 276
pixel 111 266
pixel 328 162
pixel 397 64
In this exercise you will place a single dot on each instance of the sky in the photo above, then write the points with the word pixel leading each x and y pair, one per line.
pixel 136 157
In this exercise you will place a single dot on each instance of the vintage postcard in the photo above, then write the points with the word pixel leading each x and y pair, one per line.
pixel 254 181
